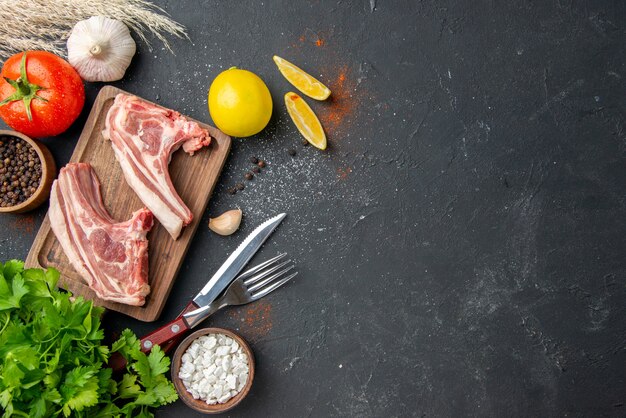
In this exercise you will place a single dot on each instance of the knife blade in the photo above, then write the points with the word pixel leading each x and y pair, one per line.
pixel 237 260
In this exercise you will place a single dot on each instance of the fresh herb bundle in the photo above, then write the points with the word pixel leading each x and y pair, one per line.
pixel 53 362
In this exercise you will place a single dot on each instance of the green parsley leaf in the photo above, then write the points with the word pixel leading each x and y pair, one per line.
pixel 18 290
pixel 52 379
pixel 142 367
pixel 5 398
pixel 52 395
pixel 164 391
pixel 35 280
pixel 159 363
pixel 80 389
pixel 38 408
pixel 128 387
pixel 146 398
pixel 12 375
pixel 144 413
pixel 52 277
pixel 5 291
pixel 11 268
pixel 106 411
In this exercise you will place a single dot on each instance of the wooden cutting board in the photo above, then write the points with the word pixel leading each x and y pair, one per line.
pixel 194 177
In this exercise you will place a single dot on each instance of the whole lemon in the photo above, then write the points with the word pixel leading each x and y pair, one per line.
pixel 240 103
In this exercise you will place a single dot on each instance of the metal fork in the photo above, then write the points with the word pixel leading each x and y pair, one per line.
pixel 249 286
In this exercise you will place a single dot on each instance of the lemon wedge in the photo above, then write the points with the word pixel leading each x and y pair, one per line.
pixel 301 80
pixel 307 123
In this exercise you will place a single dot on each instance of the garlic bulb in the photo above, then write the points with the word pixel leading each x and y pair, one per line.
pixel 100 49
pixel 227 223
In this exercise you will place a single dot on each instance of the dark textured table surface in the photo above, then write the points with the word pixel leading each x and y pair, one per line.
pixel 461 243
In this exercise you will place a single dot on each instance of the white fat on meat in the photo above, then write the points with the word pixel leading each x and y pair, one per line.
pixel 111 256
pixel 144 137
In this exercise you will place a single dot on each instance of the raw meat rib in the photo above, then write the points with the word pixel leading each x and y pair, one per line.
pixel 112 257
pixel 144 136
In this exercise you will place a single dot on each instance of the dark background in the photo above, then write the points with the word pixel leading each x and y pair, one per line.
pixel 460 243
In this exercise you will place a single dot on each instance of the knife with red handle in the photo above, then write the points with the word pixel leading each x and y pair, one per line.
pixel 170 334
pixel 165 337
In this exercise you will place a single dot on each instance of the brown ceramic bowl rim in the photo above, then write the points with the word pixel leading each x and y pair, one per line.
pixel 37 146
pixel 198 404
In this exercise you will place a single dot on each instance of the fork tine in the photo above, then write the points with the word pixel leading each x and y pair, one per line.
pixel 265 273
pixel 261 266
pixel 273 286
pixel 267 279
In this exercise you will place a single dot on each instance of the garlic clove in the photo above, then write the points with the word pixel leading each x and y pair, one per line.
pixel 227 223
pixel 100 49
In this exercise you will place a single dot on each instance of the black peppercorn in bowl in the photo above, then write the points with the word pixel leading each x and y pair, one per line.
pixel 27 170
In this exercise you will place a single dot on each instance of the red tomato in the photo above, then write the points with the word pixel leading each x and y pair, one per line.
pixel 52 87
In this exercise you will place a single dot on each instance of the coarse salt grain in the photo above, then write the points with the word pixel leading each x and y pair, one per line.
pixel 214 368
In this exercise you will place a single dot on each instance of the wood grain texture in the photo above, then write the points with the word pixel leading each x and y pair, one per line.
pixel 194 177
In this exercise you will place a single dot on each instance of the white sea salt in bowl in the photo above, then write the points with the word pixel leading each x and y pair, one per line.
pixel 213 370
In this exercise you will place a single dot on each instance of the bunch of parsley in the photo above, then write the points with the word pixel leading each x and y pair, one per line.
pixel 53 362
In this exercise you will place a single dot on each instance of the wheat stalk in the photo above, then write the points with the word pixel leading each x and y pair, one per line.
pixel 46 24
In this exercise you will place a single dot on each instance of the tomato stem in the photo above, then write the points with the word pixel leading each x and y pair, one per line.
pixel 24 90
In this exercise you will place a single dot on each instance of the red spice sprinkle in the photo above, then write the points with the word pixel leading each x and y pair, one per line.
pixel 319 42
pixel 338 113
pixel 344 172
pixel 294 97
pixel 256 320
pixel 25 223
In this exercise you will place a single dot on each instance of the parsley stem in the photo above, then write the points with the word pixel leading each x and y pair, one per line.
pixel 6 324
pixel 46 351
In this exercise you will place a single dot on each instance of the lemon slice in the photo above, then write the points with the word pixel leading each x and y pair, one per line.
pixel 301 80
pixel 307 123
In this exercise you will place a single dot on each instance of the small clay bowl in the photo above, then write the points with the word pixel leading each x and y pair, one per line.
pixel 198 404
pixel 48 173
